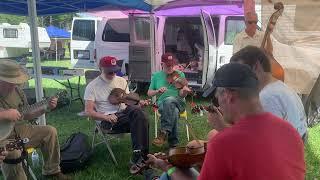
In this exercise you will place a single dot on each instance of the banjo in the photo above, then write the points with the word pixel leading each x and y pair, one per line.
pixel 6 126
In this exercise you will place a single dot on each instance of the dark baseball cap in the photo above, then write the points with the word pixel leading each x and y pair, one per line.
pixel 233 75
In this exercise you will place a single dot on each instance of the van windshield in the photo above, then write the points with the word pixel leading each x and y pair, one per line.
pixel 83 30
pixel 116 30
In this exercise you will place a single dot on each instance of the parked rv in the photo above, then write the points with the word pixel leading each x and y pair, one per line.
pixel 15 40
pixel 83 32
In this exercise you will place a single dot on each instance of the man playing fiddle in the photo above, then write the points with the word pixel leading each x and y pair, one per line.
pixel 170 100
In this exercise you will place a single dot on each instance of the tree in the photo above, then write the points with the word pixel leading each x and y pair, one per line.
pixel 12 19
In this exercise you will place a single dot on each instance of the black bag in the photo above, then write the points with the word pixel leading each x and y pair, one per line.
pixel 75 153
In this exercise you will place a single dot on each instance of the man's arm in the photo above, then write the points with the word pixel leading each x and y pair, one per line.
pixel 91 112
pixel 10 114
pixel 51 105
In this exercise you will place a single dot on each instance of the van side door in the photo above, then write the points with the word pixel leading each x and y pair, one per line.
pixel 210 50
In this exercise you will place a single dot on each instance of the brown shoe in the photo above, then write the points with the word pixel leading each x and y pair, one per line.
pixel 58 176
pixel 161 139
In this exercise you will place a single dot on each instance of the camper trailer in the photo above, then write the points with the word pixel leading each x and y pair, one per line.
pixel 15 40
pixel 83 32
pixel 200 36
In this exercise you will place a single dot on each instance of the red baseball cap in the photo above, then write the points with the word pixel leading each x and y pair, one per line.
pixel 109 64
pixel 168 59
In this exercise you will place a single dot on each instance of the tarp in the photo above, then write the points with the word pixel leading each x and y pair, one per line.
pixel 48 7
pixel 55 32
pixel 296 41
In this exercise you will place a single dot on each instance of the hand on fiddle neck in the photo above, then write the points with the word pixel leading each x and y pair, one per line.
pixel 215 119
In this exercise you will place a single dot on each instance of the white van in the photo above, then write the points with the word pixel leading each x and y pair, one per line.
pixel 82 47
pixel 208 44
pixel 112 39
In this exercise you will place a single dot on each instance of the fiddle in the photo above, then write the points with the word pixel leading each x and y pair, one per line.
pixel 118 96
pixel 177 81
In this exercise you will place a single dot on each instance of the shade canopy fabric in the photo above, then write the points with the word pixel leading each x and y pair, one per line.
pixel 48 7
pixel 55 32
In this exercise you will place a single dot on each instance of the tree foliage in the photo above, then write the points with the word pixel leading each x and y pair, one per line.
pixel 62 21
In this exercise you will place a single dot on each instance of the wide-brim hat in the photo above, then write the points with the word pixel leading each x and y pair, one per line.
pixel 12 72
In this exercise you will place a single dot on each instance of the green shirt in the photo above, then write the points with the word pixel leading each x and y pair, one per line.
pixel 159 80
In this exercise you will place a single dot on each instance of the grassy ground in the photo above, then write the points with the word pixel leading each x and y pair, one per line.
pixel 101 167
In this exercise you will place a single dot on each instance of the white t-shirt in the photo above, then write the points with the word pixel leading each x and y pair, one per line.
pixel 243 39
pixel 98 90
pixel 278 99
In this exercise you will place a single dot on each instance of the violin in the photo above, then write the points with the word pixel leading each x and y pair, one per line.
pixel 177 81
pixel 276 69
pixel 118 96
pixel 188 156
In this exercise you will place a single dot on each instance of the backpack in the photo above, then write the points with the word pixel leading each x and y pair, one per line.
pixel 75 153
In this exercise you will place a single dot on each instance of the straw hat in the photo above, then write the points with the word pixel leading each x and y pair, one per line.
pixel 12 72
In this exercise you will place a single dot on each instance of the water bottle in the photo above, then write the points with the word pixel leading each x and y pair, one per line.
pixel 35 158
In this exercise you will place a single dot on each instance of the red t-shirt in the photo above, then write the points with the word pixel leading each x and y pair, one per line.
pixel 258 147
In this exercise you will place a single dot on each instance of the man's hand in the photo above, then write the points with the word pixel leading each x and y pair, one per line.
pixel 185 91
pixel 215 119
pixel 53 103
pixel 162 90
pixel 158 163
pixel 270 27
pixel 143 103
pixel 112 118
pixel 3 156
pixel 12 115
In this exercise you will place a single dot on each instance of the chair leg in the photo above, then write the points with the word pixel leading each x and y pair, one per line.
pixel 187 129
pixel 155 125
pixel 108 147
pixel 28 170
pixel 94 137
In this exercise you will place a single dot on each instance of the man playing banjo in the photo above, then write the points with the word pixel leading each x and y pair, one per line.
pixel 13 98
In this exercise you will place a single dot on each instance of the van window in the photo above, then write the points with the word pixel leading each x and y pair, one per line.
pixel 116 30
pixel 83 30
pixel 10 33
pixel 142 29
pixel 234 25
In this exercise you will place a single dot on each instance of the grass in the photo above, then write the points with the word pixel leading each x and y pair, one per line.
pixel 101 167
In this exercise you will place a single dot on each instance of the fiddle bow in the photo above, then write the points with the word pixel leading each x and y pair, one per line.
pixel 276 69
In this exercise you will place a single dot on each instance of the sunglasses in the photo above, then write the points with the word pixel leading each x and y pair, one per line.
pixel 111 73
pixel 252 22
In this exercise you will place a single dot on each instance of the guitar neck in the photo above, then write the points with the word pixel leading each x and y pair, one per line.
pixel 39 105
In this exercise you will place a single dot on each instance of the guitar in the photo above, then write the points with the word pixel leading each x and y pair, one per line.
pixel 7 126
pixel 276 69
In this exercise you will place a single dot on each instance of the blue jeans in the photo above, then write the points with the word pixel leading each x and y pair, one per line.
pixel 170 110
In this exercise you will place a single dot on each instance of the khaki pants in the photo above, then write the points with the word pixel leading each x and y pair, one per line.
pixel 43 137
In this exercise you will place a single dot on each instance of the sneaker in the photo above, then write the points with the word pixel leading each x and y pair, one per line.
pixel 57 176
pixel 161 139
pixel 137 163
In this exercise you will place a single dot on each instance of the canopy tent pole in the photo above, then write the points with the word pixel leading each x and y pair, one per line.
pixel 56 49
pixel 36 54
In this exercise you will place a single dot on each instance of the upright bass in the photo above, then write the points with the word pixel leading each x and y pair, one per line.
pixel 276 69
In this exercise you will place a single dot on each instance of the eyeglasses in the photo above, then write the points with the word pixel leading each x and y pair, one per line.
pixel 252 22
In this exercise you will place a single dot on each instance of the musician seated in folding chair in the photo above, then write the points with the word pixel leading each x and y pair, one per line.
pixel 117 118
pixel 170 101
pixel 13 98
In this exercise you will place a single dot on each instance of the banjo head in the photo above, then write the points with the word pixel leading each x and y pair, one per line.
pixel 6 128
